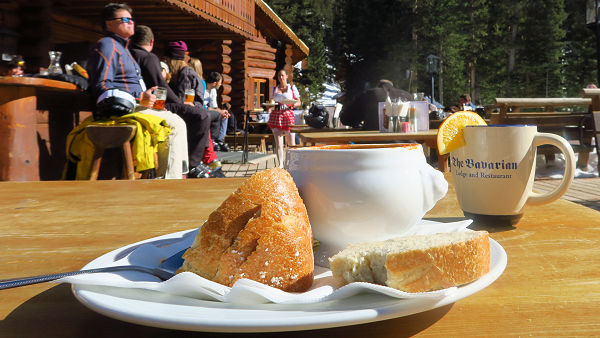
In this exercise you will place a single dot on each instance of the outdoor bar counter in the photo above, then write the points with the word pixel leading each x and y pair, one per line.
pixel 549 287
pixel 36 114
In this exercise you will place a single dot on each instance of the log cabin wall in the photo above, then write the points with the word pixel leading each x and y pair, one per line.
pixel 248 68
pixel 216 57
pixel 260 68
pixel 35 32
pixel 9 23
pixel 239 84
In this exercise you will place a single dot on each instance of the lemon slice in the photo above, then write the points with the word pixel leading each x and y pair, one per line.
pixel 450 134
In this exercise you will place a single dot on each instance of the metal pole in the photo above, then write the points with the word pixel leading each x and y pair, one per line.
pixel 245 146
pixel 432 87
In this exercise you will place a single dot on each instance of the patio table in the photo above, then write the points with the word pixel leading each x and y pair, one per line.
pixel 550 285
pixel 37 114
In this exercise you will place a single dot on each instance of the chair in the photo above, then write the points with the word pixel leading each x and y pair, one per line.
pixel 106 137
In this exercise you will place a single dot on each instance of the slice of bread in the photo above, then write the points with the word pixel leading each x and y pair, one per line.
pixel 260 232
pixel 416 263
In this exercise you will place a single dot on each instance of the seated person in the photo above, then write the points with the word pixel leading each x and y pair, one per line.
pixel 16 67
pixel 197 119
pixel 464 103
pixel 364 111
pixel 165 72
pixel 219 117
pixel 184 77
pixel 115 84
pixel 214 81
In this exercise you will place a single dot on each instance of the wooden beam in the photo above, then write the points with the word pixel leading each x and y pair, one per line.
pixel 260 72
pixel 260 46
pixel 258 54
pixel 261 63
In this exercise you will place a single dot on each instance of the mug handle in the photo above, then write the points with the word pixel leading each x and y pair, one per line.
pixel 562 144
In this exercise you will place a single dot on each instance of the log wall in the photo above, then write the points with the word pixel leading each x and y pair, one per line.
pixel 216 57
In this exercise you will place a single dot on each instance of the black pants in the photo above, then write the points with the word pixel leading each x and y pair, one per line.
pixel 215 124
pixel 198 123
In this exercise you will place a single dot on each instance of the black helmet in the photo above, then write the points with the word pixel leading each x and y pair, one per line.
pixel 317 117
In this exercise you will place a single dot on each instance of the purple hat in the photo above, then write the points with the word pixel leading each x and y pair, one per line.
pixel 176 50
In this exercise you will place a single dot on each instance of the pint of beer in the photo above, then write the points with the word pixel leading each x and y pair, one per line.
pixel 189 95
pixel 161 96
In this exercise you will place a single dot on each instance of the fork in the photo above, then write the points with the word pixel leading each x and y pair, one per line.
pixel 165 271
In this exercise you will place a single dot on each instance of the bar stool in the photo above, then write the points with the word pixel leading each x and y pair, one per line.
pixel 106 137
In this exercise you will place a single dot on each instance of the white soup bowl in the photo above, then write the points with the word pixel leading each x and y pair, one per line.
pixel 364 192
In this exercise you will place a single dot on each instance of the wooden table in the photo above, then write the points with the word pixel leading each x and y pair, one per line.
pixel 550 285
pixel 307 129
pixel 428 137
pixel 36 116
pixel 579 125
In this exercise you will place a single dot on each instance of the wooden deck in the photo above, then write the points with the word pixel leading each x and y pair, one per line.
pixel 248 169
pixel 585 191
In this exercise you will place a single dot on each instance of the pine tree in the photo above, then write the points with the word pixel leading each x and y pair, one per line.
pixel 542 44
pixel 487 48
pixel 309 19
pixel 580 65
pixel 371 40
pixel 442 31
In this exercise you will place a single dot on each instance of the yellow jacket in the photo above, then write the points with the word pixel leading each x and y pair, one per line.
pixel 151 130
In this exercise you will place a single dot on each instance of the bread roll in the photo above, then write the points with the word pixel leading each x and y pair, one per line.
pixel 416 263
pixel 260 232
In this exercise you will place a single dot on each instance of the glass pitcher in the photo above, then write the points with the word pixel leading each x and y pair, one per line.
pixel 54 67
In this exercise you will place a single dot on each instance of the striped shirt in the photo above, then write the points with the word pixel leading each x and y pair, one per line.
pixel 111 66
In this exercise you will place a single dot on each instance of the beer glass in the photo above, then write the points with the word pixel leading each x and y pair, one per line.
pixel 161 96
pixel 189 95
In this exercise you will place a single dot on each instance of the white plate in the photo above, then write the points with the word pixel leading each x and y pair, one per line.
pixel 288 101
pixel 156 309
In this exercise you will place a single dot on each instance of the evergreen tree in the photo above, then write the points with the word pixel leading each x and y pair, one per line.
pixel 443 31
pixel 373 41
pixel 580 65
pixel 487 48
pixel 309 19
pixel 542 46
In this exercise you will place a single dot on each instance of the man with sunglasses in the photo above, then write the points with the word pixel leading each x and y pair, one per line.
pixel 110 66
pixel 115 81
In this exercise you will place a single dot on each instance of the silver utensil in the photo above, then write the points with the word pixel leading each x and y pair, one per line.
pixel 164 271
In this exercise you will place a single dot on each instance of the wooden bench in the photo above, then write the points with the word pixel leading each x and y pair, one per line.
pixel 572 124
pixel 259 140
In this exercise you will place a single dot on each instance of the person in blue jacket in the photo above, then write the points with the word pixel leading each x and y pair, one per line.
pixel 115 82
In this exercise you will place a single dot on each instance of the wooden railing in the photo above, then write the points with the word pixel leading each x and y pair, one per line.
pixel 235 13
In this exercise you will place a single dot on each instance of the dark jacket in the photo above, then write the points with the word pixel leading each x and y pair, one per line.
pixel 187 78
pixel 151 71
pixel 111 66
pixel 198 120
pixel 365 107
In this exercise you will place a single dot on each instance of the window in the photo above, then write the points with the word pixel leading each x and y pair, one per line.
pixel 260 92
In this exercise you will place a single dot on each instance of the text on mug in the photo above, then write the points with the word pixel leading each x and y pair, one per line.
pixel 472 164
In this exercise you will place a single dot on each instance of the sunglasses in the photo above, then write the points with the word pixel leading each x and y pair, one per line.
pixel 123 19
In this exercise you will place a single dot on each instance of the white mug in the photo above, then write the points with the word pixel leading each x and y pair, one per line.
pixel 493 173
pixel 363 192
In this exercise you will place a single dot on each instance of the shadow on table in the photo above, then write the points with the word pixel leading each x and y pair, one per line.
pixel 56 313
pixel 474 225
